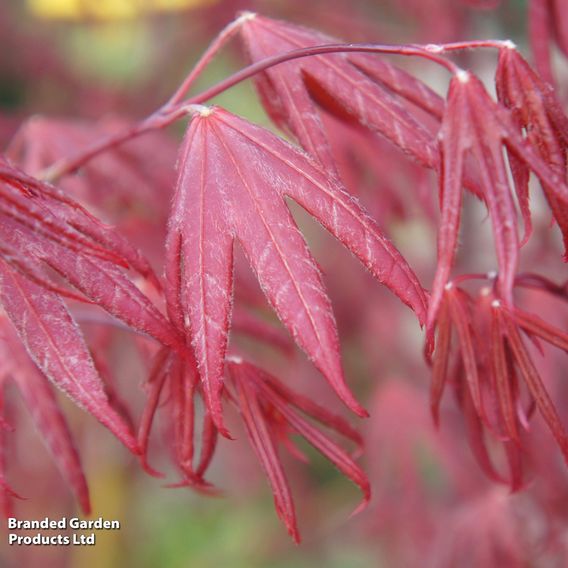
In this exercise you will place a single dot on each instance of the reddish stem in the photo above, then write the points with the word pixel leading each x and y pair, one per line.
pixel 224 36
pixel 161 118
pixel 475 44
pixel 259 66
pixel 173 110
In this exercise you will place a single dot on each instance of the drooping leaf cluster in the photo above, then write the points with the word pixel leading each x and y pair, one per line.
pixel 235 182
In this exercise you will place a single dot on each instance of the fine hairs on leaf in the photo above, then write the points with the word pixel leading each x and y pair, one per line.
pixel 260 169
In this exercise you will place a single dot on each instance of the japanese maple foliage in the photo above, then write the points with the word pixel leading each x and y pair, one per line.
pixel 364 139
pixel 39 398
pixel 206 219
pixel 353 86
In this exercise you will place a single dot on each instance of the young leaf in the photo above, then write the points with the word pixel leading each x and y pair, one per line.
pixel 536 110
pixel 351 86
pixel 333 452
pixel 232 182
pixel 476 127
pixel 267 408
pixel 48 418
pixel 56 346
pixel 100 281
pixel 262 441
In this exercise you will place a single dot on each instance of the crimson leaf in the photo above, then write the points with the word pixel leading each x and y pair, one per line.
pixel 48 418
pixel 56 345
pixel 233 178
pixel 356 87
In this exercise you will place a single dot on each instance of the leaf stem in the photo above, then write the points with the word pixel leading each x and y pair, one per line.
pixel 475 44
pixel 155 121
pixel 227 33
pixel 175 108
pixel 259 66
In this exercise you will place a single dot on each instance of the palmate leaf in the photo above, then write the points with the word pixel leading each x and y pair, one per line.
pixel 48 419
pixel 270 413
pixel 233 177
pixel 356 87
pixel 492 348
pixel 474 127
pixel 42 229
pixel 45 232
pixel 57 347
pixel 536 110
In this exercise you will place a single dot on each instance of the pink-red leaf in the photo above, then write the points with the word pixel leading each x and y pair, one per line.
pixel 263 444
pixel 48 418
pixel 536 110
pixel 102 282
pixel 342 85
pixel 233 178
pixel 56 345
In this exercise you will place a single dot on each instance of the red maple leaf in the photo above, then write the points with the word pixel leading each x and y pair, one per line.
pixel 353 86
pixel 269 411
pixel 39 398
pixel 233 178
pixel 43 229
pixel 536 110
pixel 493 372
pixel 474 131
